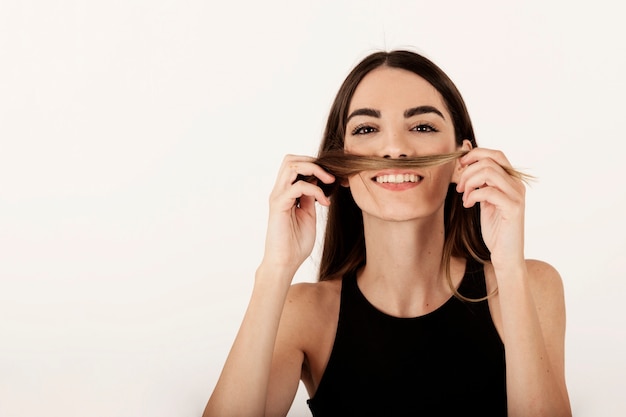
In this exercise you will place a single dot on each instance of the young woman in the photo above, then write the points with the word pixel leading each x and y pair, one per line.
pixel 394 326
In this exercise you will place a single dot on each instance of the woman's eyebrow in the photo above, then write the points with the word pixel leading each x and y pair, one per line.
pixel 364 112
pixel 414 111
pixel 422 110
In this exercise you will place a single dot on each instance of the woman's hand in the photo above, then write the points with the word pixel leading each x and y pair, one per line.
pixel 292 218
pixel 501 198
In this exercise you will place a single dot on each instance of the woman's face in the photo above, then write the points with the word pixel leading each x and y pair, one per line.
pixel 395 113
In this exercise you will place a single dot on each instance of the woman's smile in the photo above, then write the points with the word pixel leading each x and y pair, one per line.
pixel 397 180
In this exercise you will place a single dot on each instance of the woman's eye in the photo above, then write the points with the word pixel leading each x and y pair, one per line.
pixel 363 130
pixel 424 128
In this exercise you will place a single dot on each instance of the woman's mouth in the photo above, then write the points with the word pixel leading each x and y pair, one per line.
pixel 397 178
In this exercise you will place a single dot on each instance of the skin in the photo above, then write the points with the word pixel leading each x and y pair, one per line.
pixel 404 234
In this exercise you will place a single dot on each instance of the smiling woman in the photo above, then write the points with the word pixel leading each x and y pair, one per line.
pixel 425 303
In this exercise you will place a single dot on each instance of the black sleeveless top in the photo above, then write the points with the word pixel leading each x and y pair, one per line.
pixel 449 362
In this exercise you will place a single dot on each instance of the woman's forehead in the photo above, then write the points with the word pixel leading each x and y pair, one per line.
pixel 394 87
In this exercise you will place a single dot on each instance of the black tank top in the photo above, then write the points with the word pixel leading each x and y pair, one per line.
pixel 449 362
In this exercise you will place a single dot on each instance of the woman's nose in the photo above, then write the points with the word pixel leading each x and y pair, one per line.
pixel 402 155
pixel 396 146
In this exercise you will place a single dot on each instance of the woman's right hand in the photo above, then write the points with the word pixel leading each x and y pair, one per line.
pixel 292 217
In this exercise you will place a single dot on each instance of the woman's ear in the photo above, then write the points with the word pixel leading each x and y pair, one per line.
pixel 458 169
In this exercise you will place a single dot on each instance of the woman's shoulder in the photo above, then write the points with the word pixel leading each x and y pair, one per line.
pixel 310 319
pixel 543 277
pixel 545 283
pixel 309 310
pixel 546 288
pixel 542 269
pixel 314 297
pixel 312 309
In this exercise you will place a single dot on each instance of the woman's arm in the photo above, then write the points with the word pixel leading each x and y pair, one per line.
pixel 529 307
pixel 242 386
pixel 531 312
pixel 242 389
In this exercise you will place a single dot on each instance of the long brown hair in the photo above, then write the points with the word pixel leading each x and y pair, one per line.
pixel 344 241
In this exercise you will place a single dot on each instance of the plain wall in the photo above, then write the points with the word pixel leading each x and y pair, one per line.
pixel 139 141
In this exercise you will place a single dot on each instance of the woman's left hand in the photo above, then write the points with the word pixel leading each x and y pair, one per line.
pixel 501 198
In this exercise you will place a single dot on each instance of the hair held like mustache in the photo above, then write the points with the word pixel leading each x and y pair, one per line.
pixel 344 165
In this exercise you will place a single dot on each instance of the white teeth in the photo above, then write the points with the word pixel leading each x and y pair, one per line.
pixel 398 179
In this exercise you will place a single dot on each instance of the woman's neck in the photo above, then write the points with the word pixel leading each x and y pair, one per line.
pixel 404 274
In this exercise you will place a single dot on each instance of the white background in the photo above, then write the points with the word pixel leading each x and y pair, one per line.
pixel 139 141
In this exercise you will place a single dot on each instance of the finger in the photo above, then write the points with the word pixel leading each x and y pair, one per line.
pixel 306 204
pixel 478 154
pixel 305 189
pixel 287 171
pixel 514 194
pixel 287 199
pixel 485 172
pixel 294 166
pixel 492 196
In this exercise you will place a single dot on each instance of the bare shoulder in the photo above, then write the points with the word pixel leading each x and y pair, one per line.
pixel 310 305
pixel 307 298
pixel 301 341
pixel 312 311
pixel 542 270
pixel 546 288
pixel 309 311
pixel 544 280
